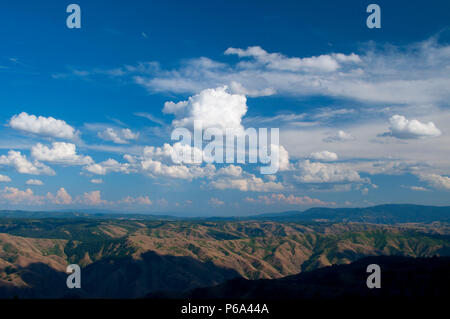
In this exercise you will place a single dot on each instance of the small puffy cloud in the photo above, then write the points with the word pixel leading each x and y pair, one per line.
pixel 129 135
pixel 160 160
pixel 130 158
pixel 352 58
pixel 17 196
pixel 59 153
pixel 340 136
pixel 23 165
pixel 61 197
pixel 216 202
pixel 230 170
pixel 122 136
pixel 283 157
pixel 309 172
pixel 174 153
pixel 108 166
pixel 4 178
pixel 35 182
pixel 91 199
pixel 157 168
pixel 213 107
pixel 324 156
pixel 96 181
pixel 403 128
pixel 246 183
pixel 45 126
pixel 157 161
pixel 289 200
pixel 436 181
pixel 140 200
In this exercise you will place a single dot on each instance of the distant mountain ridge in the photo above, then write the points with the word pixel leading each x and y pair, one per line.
pixel 380 214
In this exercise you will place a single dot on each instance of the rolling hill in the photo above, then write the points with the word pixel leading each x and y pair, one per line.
pixel 133 257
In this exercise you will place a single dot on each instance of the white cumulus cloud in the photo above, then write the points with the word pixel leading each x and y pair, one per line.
pixel 213 107
pixel 61 197
pixel 436 180
pixel 324 156
pixel 4 178
pixel 246 183
pixel 23 165
pixel 60 153
pixel 403 128
pixel 45 126
pixel 309 172
pixel 91 199
pixel 35 182
pixel 16 196
pixel 108 166
pixel 140 200
pixel 122 136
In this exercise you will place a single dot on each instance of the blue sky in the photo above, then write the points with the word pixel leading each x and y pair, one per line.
pixel 363 113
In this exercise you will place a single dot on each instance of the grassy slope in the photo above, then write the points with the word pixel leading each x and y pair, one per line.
pixel 253 249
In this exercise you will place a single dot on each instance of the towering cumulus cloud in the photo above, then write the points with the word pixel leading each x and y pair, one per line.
pixel 214 107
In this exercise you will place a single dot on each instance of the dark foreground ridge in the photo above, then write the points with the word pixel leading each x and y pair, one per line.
pixel 120 277
pixel 401 277
pixel 170 277
pixel 408 286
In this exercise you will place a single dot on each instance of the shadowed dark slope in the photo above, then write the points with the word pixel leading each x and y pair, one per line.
pixel 400 277
pixel 124 277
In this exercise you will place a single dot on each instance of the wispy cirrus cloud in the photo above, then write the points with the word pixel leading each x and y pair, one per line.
pixel 377 75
